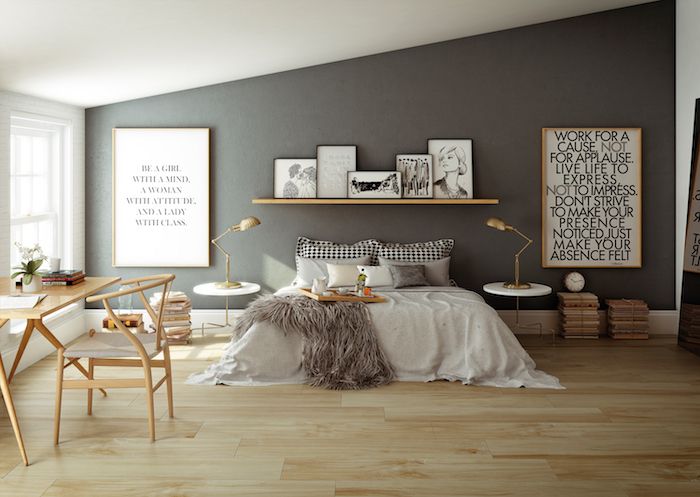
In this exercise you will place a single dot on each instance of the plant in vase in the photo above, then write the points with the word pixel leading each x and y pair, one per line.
pixel 32 259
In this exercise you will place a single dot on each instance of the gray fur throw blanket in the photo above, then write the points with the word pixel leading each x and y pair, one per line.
pixel 340 348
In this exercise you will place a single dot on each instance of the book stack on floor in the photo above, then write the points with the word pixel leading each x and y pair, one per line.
pixel 132 321
pixel 177 322
pixel 628 319
pixel 579 315
pixel 689 329
pixel 67 277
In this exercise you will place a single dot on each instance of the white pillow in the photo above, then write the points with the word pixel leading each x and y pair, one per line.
pixel 377 275
pixel 436 272
pixel 342 275
pixel 308 269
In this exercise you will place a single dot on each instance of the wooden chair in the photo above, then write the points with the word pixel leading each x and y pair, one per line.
pixel 121 348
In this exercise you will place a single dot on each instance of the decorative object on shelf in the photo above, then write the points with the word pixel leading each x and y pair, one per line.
pixel 592 197
pixel 452 168
pixel 374 184
pixel 295 178
pixel 177 322
pixel 416 175
pixel 628 319
pixel 334 164
pixel 31 260
pixel 500 225
pixel 574 281
pixel 160 197
pixel 579 315
pixel 245 224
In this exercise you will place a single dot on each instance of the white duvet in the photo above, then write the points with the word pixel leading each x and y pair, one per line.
pixel 427 333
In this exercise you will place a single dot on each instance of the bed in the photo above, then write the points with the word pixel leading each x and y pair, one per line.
pixel 427 333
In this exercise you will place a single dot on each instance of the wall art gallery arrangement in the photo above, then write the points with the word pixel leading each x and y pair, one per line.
pixel 160 197
pixel 592 197
pixel 446 171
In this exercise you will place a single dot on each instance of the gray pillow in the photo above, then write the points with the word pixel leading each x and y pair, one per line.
pixel 404 276
pixel 308 269
pixel 436 272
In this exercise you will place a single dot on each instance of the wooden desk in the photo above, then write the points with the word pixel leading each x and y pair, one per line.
pixel 57 297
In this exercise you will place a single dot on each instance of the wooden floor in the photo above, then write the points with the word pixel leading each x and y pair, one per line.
pixel 628 426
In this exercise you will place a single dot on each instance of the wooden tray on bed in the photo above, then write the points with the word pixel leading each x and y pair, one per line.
pixel 336 297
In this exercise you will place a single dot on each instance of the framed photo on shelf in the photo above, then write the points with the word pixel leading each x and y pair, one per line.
pixel 416 175
pixel 295 178
pixel 374 184
pixel 452 167
pixel 334 164
pixel 592 197
pixel 160 197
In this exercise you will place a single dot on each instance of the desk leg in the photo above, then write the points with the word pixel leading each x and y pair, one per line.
pixel 210 326
pixel 22 345
pixel 528 326
pixel 7 397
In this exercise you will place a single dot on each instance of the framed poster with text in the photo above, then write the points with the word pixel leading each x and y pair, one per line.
pixel 592 197
pixel 160 197
pixel 691 255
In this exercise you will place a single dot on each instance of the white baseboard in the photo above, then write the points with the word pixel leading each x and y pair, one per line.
pixel 67 327
pixel 660 322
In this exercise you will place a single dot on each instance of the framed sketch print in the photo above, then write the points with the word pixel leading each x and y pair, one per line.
pixel 160 197
pixel 374 184
pixel 452 168
pixel 416 175
pixel 592 197
pixel 295 178
pixel 334 164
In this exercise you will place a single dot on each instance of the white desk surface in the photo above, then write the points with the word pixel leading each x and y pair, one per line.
pixel 211 290
pixel 535 290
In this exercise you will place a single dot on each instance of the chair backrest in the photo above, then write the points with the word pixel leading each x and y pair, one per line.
pixel 138 286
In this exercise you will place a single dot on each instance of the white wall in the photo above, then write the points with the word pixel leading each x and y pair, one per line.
pixel 14 102
pixel 687 90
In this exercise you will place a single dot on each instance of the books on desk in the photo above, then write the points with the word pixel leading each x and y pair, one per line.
pixel 21 301
pixel 66 277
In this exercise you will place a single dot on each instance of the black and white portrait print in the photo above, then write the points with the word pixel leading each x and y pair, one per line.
pixel 374 184
pixel 295 178
pixel 452 168
pixel 416 175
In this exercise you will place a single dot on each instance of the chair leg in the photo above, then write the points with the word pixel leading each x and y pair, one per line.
pixel 169 380
pixel 91 376
pixel 150 400
pixel 59 396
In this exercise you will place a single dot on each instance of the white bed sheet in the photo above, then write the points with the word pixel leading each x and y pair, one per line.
pixel 427 333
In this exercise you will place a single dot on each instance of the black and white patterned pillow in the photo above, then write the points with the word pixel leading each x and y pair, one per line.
pixel 321 249
pixel 417 252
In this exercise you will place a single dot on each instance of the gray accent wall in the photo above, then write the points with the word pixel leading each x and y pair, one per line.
pixel 614 68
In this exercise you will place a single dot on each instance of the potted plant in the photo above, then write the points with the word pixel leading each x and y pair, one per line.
pixel 32 259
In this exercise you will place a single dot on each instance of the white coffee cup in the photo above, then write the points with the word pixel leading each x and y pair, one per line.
pixel 319 286
pixel 54 264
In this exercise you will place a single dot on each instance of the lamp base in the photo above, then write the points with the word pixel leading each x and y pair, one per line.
pixel 228 284
pixel 516 286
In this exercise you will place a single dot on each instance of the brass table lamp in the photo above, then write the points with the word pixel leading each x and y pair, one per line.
pixel 500 225
pixel 245 224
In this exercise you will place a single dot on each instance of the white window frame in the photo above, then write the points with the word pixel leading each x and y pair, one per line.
pixel 60 179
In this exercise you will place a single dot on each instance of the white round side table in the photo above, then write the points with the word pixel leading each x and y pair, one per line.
pixel 211 290
pixel 535 290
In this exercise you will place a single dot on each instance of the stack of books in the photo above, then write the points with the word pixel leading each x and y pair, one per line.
pixel 579 315
pixel 689 329
pixel 132 321
pixel 628 319
pixel 66 277
pixel 177 322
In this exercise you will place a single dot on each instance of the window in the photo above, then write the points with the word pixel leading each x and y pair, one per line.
pixel 40 186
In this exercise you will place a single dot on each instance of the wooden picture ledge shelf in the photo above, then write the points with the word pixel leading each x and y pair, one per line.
pixel 377 201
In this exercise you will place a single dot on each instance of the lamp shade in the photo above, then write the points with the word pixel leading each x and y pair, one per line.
pixel 247 223
pixel 497 223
